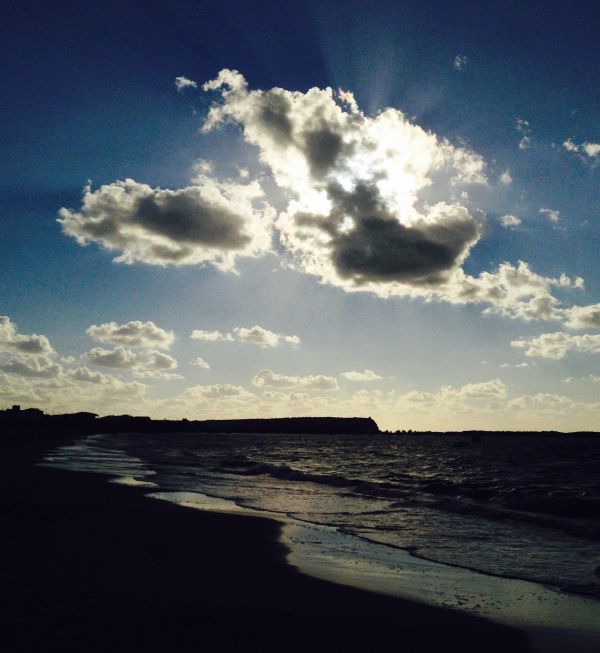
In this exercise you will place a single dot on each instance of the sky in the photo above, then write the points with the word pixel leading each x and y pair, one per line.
pixel 250 209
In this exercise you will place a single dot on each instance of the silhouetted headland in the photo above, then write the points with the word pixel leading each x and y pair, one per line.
pixel 35 424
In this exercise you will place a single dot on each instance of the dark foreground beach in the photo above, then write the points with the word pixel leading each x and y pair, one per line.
pixel 91 566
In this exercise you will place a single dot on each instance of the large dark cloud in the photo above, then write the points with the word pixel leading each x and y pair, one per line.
pixel 376 247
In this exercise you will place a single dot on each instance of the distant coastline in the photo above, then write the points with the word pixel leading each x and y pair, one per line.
pixel 34 424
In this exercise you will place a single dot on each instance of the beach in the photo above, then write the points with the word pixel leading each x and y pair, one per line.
pixel 93 566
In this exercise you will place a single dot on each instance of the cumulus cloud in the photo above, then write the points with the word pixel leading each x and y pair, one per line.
pixel 586 151
pixel 182 83
pixel 558 344
pixel 505 178
pixel 370 200
pixel 460 61
pixel 524 128
pixel 356 216
pixel 133 334
pixel 216 391
pixel 367 375
pixel 11 340
pixel 31 366
pixel 583 317
pixel 210 222
pixel 256 335
pixel 157 375
pixel 200 362
pixel 525 143
pixel 271 380
pixel 144 362
pixel 552 214
pixel 510 221
pixel 90 376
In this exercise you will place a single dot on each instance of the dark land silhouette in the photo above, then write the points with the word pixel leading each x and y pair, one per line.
pixel 34 424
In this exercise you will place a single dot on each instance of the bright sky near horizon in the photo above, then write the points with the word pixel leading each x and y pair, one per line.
pixel 251 209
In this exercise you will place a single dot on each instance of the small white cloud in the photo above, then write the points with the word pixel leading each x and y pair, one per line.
pixel 255 335
pixel 367 375
pixel 183 82
pixel 570 146
pixel 271 380
pixel 133 334
pixel 524 128
pixel 460 61
pixel 122 358
pixel 552 214
pixel 158 375
pixel 583 317
pixel 558 344
pixel 585 151
pixel 510 221
pixel 200 362
pixel 591 149
pixel 505 178
pixel 11 340
pixel 525 143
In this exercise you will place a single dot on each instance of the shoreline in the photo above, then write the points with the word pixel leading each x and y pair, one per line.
pixel 91 565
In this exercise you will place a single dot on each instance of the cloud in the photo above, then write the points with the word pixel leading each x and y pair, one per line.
pixel 510 221
pixel 552 214
pixel 89 376
pixel 270 380
pixel 210 222
pixel 367 375
pixel 586 151
pixel 157 375
pixel 356 218
pixel 133 334
pixel 119 357
pixel 370 206
pixel 556 345
pixel 591 149
pixel 460 61
pixel 256 335
pixel 183 82
pixel 200 362
pixel 31 366
pixel 148 360
pixel 210 336
pixel 505 178
pixel 263 337
pixel 217 391
pixel 11 340
pixel 525 143
pixel 524 128
pixel 583 317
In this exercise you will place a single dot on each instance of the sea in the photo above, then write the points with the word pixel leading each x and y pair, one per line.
pixel 496 506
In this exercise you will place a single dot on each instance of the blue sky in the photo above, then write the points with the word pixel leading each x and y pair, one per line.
pixel 352 251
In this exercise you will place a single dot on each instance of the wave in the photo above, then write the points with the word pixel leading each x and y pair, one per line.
pixel 576 513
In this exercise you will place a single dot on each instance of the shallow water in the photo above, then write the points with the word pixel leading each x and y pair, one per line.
pixel 509 505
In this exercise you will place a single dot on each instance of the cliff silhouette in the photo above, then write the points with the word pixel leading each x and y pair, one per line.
pixel 33 423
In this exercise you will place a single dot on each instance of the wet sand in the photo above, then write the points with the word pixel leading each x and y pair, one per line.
pixel 92 566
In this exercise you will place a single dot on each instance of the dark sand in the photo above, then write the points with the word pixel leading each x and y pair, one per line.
pixel 90 566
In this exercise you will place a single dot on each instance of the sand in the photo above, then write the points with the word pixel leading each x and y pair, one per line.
pixel 91 566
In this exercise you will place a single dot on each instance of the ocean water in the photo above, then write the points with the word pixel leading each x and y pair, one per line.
pixel 517 506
